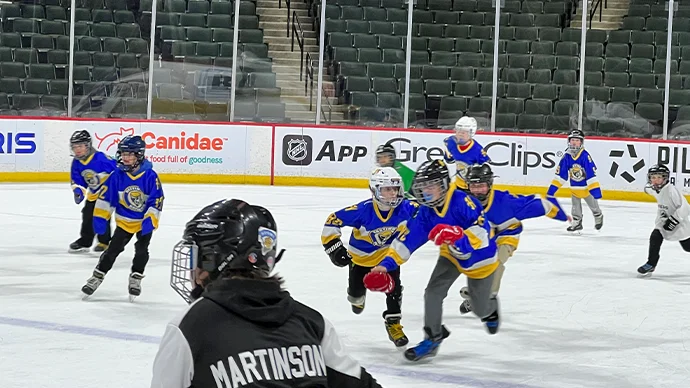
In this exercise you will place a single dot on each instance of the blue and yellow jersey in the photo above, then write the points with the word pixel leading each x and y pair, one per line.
pixel 372 229
pixel 90 173
pixel 582 173
pixel 474 254
pixel 136 199
pixel 464 156
pixel 505 211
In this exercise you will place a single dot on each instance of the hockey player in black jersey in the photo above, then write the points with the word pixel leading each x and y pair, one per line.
pixel 242 328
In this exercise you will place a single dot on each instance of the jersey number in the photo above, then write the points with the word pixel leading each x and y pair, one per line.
pixel 470 203
pixel 334 220
pixel 101 194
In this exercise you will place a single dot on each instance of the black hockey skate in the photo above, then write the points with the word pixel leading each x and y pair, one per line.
pixel 598 221
pixel 134 285
pixel 93 283
pixel 575 227
pixel 646 270
pixel 493 321
pixel 466 305
pixel 395 329
pixel 100 247
pixel 75 247
pixel 357 303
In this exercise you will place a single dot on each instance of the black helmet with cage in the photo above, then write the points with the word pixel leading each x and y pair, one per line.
pixel 431 183
pixel 227 238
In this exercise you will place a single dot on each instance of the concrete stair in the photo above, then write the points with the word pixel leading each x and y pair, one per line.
pixel 611 17
pixel 287 58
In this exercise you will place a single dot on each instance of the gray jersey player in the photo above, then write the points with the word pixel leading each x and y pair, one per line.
pixel 672 219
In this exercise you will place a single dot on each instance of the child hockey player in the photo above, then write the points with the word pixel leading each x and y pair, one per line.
pixel 672 219
pixel 386 157
pixel 463 150
pixel 455 222
pixel 505 211
pixel 578 166
pixel 375 223
pixel 90 168
pixel 134 192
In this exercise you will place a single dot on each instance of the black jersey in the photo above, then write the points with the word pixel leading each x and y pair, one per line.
pixel 251 333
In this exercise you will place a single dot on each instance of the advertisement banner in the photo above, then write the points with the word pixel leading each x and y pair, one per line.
pixel 517 159
pixel 181 148
pixel 21 147
pixel 322 152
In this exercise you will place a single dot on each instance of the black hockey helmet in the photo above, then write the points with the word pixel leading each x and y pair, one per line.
pixel 81 136
pixel 432 173
pixel 576 134
pixel 658 169
pixel 480 173
pixel 227 236
pixel 385 150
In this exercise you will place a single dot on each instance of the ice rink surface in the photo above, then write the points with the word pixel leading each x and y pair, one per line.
pixel 574 313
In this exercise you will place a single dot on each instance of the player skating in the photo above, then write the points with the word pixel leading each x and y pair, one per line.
pixel 505 212
pixel 387 157
pixel 135 194
pixel 463 150
pixel 90 168
pixel 672 221
pixel 245 330
pixel 455 222
pixel 375 222
pixel 578 166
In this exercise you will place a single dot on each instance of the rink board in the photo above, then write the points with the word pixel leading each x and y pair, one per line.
pixel 37 150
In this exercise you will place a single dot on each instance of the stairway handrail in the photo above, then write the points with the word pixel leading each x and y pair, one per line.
pixel 309 79
pixel 287 26
pixel 296 24
pixel 597 5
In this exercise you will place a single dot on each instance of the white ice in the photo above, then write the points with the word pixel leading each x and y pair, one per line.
pixel 574 313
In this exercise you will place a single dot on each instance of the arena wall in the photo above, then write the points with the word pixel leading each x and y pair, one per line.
pixel 37 150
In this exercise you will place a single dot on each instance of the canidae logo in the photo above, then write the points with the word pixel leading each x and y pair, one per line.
pixel 183 141
pixel 107 141
pixel 17 143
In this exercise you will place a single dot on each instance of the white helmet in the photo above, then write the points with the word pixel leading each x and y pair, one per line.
pixel 466 124
pixel 386 177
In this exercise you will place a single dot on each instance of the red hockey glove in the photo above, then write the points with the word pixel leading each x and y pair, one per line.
pixel 445 234
pixel 379 281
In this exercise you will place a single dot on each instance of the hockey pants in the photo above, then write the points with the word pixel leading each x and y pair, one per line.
pixel 577 207
pixel 117 244
pixel 87 234
pixel 442 278
pixel 655 241
pixel 356 291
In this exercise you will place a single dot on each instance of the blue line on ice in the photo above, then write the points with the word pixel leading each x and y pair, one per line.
pixel 376 369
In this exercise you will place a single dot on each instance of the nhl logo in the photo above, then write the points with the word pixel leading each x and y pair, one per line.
pixel 297 150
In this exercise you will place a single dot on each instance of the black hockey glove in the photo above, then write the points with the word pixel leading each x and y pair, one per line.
pixel 338 253
pixel 671 223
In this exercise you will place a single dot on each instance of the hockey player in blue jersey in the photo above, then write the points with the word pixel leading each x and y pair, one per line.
pixel 90 168
pixel 505 212
pixel 456 223
pixel 375 223
pixel 135 194
pixel 463 150
pixel 578 167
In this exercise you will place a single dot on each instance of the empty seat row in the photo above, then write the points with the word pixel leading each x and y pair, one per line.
pixel 216 34
pixel 199 20
pixel 205 7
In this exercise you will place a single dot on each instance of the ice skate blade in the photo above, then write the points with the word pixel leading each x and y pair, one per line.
pixel 131 298
pixel 85 297
pixel 644 275
pixel 79 251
